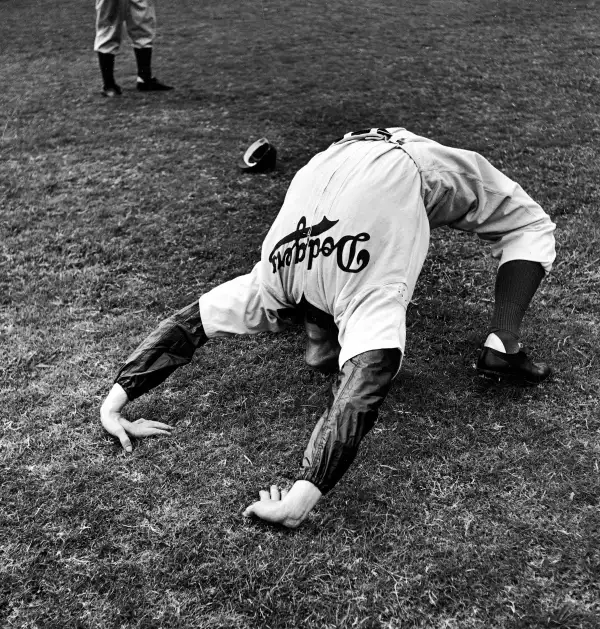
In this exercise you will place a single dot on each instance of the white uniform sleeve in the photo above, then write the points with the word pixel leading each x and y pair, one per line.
pixel 241 306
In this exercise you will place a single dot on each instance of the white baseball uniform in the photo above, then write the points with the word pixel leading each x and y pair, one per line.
pixel 138 16
pixel 350 240
pixel 353 233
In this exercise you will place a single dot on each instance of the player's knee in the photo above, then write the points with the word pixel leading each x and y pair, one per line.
pixel 322 356
pixel 322 347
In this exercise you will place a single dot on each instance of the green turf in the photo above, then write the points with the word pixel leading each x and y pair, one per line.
pixel 470 505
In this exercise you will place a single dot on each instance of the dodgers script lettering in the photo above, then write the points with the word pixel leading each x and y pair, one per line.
pixel 304 244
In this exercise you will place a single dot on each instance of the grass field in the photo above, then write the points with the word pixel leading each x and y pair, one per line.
pixel 470 505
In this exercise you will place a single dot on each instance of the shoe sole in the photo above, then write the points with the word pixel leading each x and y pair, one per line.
pixel 498 375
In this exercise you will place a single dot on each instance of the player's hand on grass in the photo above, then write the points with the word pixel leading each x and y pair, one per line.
pixel 288 508
pixel 146 428
pixel 117 426
pixel 270 507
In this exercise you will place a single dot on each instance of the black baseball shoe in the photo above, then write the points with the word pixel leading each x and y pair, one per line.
pixel 519 366
pixel 152 85
pixel 110 91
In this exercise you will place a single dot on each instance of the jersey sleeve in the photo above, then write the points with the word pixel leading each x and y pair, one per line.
pixel 243 305
pixel 240 306
pixel 360 388
pixel 372 331
pixel 171 345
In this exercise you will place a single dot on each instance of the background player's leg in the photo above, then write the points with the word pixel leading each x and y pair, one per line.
pixel 141 26
pixel 109 31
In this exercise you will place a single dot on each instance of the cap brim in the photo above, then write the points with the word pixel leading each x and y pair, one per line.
pixel 259 156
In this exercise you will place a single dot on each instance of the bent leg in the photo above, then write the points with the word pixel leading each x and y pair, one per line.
pixel 516 284
pixel 322 346
pixel 522 237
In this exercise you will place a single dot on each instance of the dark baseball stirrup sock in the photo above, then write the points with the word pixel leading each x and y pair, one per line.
pixel 107 68
pixel 143 57
pixel 516 284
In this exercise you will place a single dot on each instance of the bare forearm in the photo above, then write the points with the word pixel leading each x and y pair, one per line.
pixel 110 416
pixel 113 404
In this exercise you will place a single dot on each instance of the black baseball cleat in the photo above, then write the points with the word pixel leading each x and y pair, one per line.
pixel 110 91
pixel 519 366
pixel 152 85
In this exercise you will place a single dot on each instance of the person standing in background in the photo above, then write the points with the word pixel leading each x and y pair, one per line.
pixel 139 18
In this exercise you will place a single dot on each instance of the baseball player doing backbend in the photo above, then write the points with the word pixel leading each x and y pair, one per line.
pixel 139 18
pixel 343 257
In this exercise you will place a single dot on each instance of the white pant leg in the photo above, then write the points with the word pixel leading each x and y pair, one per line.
pixel 141 22
pixel 502 212
pixel 110 15
pixel 529 236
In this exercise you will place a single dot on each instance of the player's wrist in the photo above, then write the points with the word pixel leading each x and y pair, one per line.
pixel 115 400
pixel 299 502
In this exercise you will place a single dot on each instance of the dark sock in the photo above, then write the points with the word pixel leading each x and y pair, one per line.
pixel 107 68
pixel 516 284
pixel 143 57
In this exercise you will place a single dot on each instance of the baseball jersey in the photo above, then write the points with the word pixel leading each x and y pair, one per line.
pixel 350 239
pixel 353 233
